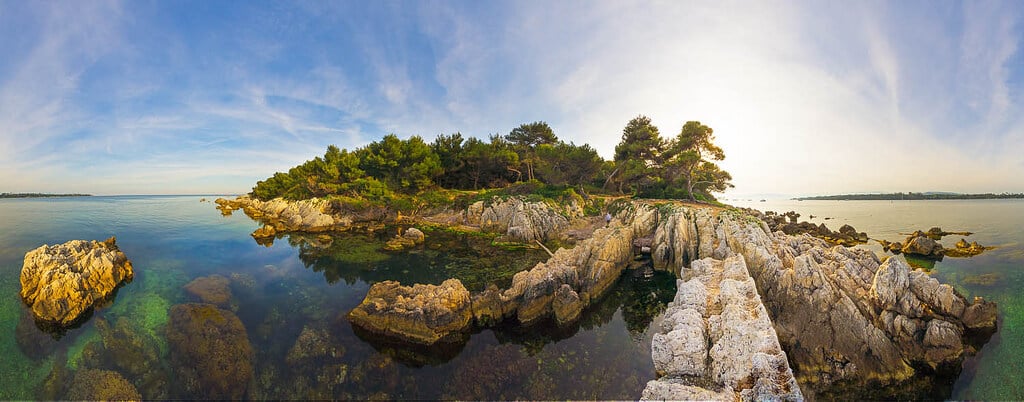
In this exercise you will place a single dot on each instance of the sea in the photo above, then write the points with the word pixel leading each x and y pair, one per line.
pixel 307 283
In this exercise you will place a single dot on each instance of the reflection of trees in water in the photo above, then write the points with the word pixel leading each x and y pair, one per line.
pixel 360 257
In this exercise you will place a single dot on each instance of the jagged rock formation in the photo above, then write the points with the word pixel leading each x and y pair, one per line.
pixel 716 341
pixel 926 245
pixel 561 287
pixel 60 283
pixel 280 215
pixel 420 313
pixel 843 316
pixel 520 220
pixel 786 223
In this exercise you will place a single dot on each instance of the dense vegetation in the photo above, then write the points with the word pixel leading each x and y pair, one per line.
pixel 914 196
pixel 645 165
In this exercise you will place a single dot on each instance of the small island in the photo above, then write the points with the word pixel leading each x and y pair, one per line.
pixel 40 195
pixel 912 196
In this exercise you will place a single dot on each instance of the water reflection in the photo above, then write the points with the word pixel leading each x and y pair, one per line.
pixel 360 256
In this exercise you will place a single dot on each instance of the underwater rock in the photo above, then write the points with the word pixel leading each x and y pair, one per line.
pixel 101 385
pixel 210 352
pixel 213 289
pixel 135 354
pixel 62 282
pixel 719 344
pixel 420 313
pixel 55 384
pixel 313 344
pixel 34 343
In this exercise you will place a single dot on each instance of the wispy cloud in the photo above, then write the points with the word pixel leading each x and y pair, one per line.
pixel 804 98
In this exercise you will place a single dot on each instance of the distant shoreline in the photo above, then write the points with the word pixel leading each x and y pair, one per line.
pixel 40 195
pixel 911 196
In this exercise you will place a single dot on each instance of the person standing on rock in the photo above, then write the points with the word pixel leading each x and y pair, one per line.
pixel 607 219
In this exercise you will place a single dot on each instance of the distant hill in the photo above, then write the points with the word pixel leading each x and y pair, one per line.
pixel 914 196
pixel 40 195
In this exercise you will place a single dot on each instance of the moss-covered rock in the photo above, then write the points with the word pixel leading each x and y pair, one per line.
pixel 101 385
pixel 210 352
pixel 213 289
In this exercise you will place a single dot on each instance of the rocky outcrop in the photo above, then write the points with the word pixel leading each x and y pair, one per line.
pixel 62 282
pixel 280 215
pixel 717 342
pixel 423 314
pixel 560 287
pixel 922 245
pixel 520 220
pixel 210 352
pixel 846 318
pixel 787 223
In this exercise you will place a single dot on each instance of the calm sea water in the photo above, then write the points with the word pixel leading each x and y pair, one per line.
pixel 280 290
pixel 998 275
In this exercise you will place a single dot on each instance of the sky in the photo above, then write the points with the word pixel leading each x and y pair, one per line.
pixel 805 98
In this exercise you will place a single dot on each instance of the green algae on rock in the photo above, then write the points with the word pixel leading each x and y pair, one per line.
pixel 210 352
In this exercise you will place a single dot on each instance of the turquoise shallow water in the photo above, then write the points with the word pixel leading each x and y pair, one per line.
pixel 281 290
pixel 998 275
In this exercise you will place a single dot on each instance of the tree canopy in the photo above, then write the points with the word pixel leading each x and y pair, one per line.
pixel 644 165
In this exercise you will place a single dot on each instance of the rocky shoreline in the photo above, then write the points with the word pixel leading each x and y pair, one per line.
pixel 846 318
pixel 839 317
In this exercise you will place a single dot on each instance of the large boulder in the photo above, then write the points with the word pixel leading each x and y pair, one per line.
pixel 210 352
pixel 420 313
pixel 62 282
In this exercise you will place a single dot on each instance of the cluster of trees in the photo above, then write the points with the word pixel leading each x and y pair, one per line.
pixel 644 165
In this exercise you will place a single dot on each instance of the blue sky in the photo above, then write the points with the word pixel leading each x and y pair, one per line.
pixel 805 97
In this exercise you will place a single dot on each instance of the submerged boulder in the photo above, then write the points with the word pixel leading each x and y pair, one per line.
pixel 213 289
pixel 210 352
pixel 101 385
pixel 420 313
pixel 62 282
